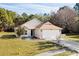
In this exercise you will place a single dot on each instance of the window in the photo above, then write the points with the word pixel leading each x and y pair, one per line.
pixel 25 32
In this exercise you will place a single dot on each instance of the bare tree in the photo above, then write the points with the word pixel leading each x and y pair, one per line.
pixel 65 18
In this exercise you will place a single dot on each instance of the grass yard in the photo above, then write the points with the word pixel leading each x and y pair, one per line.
pixel 66 53
pixel 12 46
pixel 72 37
pixel 25 47
pixel 7 33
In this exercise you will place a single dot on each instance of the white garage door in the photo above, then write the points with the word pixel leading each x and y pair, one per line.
pixel 50 34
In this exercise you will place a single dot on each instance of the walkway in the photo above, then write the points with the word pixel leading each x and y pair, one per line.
pixel 51 53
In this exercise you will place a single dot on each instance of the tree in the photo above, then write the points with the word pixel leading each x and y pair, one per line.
pixel 31 16
pixel 42 17
pixel 3 18
pixel 10 23
pixel 18 20
pixel 6 19
pixel 52 16
pixel 76 7
pixel 25 17
pixel 65 18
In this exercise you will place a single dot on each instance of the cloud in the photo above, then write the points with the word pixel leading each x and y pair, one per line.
pixel 33 8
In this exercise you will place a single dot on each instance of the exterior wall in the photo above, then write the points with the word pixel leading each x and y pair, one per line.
pixel 38 33
pixel 48 34
pixel 51 34
pixel 28 32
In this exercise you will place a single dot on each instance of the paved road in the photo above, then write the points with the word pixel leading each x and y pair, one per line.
pixel 70 44
pixel 51 53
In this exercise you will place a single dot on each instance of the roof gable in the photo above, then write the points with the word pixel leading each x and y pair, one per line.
pixel 48 25
pixel 32 24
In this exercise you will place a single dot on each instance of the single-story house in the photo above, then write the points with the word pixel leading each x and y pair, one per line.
pixel 47 31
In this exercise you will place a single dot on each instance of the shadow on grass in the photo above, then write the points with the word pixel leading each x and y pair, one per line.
pixel 8 36
pixel 48 44
pixel 73 35
pixel 69 34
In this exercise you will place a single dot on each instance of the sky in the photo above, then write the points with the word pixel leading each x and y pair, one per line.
pixel 34 8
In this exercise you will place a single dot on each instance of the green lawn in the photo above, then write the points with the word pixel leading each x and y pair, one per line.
pixel 72 37
pixel 28 47
pixel 25 47
pixel 66 53
pixel 6 33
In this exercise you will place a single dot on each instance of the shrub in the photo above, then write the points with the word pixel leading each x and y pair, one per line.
pixel 20 31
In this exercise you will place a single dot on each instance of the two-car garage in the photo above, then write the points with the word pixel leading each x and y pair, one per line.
pixel 48 31
pixel 50 34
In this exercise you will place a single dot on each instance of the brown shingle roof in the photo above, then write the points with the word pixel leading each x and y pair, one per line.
pixel 48 25
pixel 32 24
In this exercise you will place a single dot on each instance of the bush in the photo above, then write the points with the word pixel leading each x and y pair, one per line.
pixel 8 36
pixel 20 31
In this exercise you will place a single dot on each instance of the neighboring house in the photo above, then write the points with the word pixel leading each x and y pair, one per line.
pixel 35 28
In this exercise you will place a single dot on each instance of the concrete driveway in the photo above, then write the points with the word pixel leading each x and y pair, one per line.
pixel 70 44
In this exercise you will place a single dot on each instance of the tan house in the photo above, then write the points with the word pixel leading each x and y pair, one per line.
pixel 47 31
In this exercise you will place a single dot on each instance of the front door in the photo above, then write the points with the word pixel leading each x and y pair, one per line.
pixel 32 33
